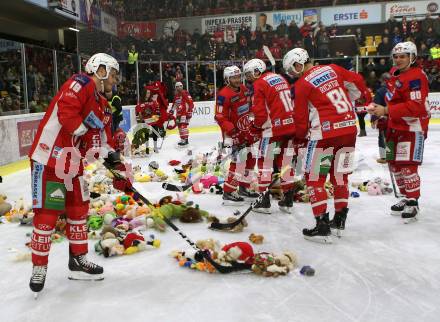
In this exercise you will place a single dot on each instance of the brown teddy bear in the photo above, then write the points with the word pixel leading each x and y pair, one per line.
pixel 4 206
pixel 256 239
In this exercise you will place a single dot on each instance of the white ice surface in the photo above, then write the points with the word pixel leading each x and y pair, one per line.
pixel 381 270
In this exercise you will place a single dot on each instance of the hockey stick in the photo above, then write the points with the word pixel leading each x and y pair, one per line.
pixel 393 182
pixel 269 56
pixel 235 266
pixel 232 225
pixel 183 188
pixel 166 127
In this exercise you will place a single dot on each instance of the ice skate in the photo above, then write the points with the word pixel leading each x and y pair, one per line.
pixel 397 209
pixel 38 278
pixel 247 194
pixel 411 211
pixel 264 206
pixel 321 233
pixel 337 224
pixel 183 143
pixel 286 203
pixel 232 199
pixel 81 269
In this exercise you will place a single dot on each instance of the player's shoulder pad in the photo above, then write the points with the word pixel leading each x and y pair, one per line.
pixel 83 79
pixel 221 99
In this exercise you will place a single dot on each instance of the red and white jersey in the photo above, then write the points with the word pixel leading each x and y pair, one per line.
pixel 323 99
pixel 408 107
pixel 272 105
pixel 149 112
pixel 233 113
pixel 77 102
pixel 183 103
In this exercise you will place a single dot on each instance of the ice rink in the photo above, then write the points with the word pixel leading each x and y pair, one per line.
pixel 381 270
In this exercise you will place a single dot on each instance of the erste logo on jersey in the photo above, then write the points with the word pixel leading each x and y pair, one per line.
pixel 274 80
pixel 323 78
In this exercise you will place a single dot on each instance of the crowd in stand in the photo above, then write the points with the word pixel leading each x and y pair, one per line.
pixel 222 46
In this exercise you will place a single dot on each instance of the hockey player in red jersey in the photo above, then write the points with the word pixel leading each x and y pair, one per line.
pixel 77 125
pixel 273 121
pixel 324 116
pixel 234 117
pixel 152 116
pixel 407 128
pixel 184 105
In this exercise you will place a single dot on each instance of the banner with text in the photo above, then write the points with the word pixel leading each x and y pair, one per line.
pixel 412 8
pixel 352 15
pixel 434 104
pixel 274 18
pixel 26 131
pixel 140 30
pixel 212 23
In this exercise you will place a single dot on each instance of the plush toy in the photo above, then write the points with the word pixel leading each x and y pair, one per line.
pixel 142 177
pixel 173 163
pixel 256 239
pixel 134 243
pixel 238 251
pixel 4 206
pixel 208 244
pixel 20 212
pixel 94 222
pixel 270 265
pixel 373 189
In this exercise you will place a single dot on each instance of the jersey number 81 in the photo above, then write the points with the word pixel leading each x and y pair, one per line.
pixel 339 100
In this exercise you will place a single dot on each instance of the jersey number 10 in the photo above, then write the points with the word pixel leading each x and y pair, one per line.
pixel 339 100
pixel 286 98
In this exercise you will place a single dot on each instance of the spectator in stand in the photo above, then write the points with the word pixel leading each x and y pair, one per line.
pixel 282 29
pixel 322 42
pixel 360 37
pixel 333 31
pixel 386 33
pixel 372 81
pixel 262 23
pixel 132 57
pixel 384 48
pixel 435 51
pixel 382 67
pixel 294 32
pixel 391 23
pixel 424 50
pixel 430 38
pixel 397 36
pixel 286 44
pixel 427 23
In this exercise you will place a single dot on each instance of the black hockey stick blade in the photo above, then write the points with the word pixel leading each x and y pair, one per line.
pixel 173 187
pixel 220 268
pixel 232 225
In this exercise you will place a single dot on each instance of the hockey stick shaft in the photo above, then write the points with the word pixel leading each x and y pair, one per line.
pixel 225 226
pixel 220 268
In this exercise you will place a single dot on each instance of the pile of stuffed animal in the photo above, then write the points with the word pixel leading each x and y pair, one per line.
pixel 21 212
pixel 375 187
pixel 261 263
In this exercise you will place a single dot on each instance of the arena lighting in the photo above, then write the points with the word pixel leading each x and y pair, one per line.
pixel 74 29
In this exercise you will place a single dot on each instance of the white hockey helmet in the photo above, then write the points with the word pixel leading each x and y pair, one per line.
pixel 178 84
pixel 230 71
pixel 101 59
pixel 296 55
pixel 254 65
pixel 406 47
